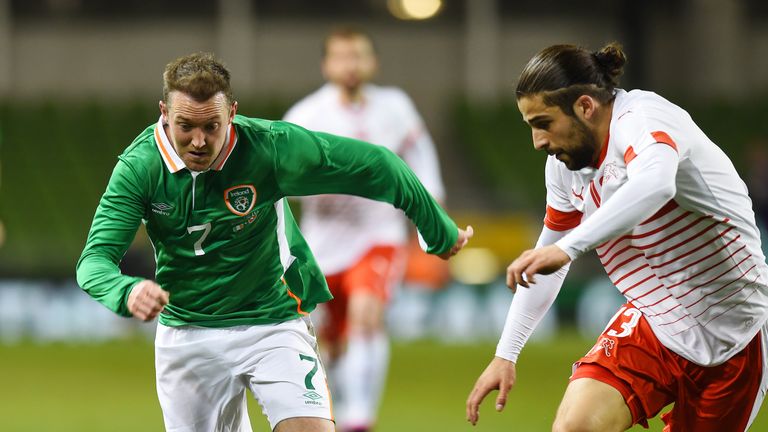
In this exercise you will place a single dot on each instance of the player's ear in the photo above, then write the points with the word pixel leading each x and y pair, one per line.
pixel 164 111
pixel 232 111
pixel 584 107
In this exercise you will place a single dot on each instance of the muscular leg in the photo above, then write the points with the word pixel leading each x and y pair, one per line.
pixel 594 406
pixel 305 424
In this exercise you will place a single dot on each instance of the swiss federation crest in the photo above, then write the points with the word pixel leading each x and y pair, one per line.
pixel 240 199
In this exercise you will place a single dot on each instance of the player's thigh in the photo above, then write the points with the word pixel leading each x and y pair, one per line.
pixel 288 379
pixel 365 312
pixel 196 391
pixel 331 317
pixel 305 424
pixel 727 394
pixel 368 285
pixel 592 405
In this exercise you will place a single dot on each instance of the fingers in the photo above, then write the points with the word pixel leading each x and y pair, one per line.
pixel 529 275
pixel 475 399
pixel 516 270
pixel 501 399
pixel 464 236
pixel 523 270
pixel 461 241
pixel 511 279
pixel 147 311
pixel 147 299
pixel 499 375
pixel 469 233
pixel 165 296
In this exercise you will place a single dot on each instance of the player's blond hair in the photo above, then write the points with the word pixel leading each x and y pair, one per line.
pixel 562 73
pixel 198 75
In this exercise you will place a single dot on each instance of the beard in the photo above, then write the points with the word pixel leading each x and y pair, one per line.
pixel 585 150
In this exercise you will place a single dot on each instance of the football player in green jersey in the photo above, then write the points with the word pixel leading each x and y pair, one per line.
pixel 235 280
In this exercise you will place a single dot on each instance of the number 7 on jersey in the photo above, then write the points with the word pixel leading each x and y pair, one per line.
pixel 206 229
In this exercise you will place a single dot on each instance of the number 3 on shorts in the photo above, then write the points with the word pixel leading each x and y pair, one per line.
pixel 308 378
pixel 626 327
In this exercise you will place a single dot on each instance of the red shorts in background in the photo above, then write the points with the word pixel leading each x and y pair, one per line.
pixel 375 273
pixel 630 358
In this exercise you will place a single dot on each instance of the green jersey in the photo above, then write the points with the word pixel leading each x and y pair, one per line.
pixel 226 244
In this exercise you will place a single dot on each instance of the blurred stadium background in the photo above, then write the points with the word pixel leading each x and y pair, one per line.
pixel 80 78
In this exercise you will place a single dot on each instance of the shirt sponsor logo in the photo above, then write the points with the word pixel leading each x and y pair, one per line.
pixel 162 208
pixel 240 199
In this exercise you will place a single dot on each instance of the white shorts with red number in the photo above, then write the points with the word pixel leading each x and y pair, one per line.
pixel 203 374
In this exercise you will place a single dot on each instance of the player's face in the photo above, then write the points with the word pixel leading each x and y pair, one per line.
pixel 197 129
pixel 349 62
pixel 566 137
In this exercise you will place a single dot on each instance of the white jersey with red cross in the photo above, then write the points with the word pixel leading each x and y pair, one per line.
pixel 340 229
pixel 695 269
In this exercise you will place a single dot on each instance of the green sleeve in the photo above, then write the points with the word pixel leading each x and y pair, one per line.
pixel 112 231
pixel 310 163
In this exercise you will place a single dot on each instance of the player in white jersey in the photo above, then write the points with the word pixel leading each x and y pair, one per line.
pixel 359 243
pixel 630 175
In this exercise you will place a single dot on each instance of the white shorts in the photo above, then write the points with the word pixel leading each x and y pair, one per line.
pixel 203 373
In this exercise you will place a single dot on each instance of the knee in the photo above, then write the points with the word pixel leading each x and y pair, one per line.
pixel 365 327
pixel 570 424
pixel 365 315
pixel 582 423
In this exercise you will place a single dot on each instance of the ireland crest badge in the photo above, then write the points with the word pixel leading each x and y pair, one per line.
pixel 240 199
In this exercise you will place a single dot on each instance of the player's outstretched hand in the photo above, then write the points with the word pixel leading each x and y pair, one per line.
pixel 544 260
pixel 499 375
pixel 147 300
pixel 461 241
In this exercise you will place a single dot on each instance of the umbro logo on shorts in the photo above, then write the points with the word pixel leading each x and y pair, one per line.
pixel 312 398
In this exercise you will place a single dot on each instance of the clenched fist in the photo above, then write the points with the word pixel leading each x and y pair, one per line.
pixel 147 300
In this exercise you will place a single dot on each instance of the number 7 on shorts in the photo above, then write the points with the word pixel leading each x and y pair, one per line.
pixel 308 378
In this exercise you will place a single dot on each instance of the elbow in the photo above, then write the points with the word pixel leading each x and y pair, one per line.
pixel 667 192
pixel 79 274
pixel 84 271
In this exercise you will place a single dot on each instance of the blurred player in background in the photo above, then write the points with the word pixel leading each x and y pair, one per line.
pixel 630 175
pixel 757 178
pixel 235 279
pixel 2 226
pixel 360 244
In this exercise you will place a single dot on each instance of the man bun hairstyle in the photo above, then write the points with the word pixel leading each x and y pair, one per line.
pixel 562 73
pixel 611 60
pixel 199 75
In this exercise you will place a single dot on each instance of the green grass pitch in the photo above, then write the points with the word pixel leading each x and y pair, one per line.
pixel 110 387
